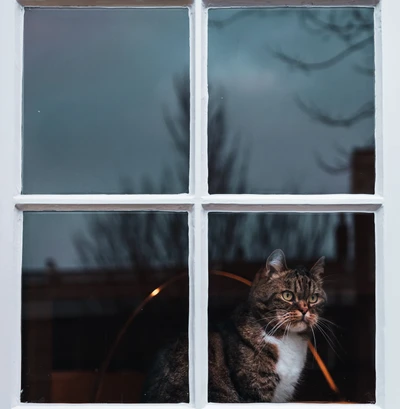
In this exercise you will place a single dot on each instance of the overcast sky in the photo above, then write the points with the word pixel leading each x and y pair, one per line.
pixel 97 85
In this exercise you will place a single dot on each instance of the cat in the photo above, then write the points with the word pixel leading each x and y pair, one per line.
pixel 257 355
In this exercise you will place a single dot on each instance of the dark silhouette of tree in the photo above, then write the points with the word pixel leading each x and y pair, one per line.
pixel 139 241
pixel 154 240
pixel 179 129
pixel 146 240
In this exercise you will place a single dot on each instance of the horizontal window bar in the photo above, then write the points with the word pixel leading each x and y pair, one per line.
pixel 294 203
pixel 312 405
pixel 105 3
pixel 181 202
pixel 184 202
pixel 289 3
pixel 185 3
pixel 291 208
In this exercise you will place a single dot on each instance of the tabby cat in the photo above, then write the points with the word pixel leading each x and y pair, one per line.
pixel 259 353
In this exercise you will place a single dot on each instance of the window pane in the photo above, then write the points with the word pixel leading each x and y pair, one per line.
pixel 106 101
pixel 291 101
pixel 250 327
pixel 89 334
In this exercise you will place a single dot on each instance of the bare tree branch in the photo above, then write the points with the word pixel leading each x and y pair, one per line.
pixel 365 111
pixel 321 65
pixel 347 29
pixel 240 15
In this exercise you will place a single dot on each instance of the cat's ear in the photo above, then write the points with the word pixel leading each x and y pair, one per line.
pixel 276 263
pixel 318 269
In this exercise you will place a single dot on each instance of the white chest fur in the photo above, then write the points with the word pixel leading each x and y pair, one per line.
pixel 292 351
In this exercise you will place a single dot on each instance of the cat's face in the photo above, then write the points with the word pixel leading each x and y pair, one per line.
pixel 285 299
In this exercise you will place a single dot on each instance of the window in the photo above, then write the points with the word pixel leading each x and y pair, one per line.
pixel 68 85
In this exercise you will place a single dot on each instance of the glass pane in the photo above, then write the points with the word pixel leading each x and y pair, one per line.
pixel 291 101
pixel 103 296
pixel 106 101
pixel 258 346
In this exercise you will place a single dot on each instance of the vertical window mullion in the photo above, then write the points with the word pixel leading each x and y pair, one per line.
pixel 198 335
pixel 11 24
pixel 198 244
pixel 389 275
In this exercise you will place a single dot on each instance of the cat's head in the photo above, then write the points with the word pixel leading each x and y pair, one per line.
pixel 287 299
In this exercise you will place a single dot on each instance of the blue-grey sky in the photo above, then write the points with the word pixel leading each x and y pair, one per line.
pixel 97 84
pixel 260 93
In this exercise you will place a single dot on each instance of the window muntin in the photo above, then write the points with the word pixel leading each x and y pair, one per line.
pixel 385 227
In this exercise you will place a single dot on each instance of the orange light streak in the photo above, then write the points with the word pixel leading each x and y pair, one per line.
pixel 323 368
pixel 155 292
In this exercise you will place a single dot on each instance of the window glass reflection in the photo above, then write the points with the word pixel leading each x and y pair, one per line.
pixel 291 107
pixel 106 101
pixel 102 295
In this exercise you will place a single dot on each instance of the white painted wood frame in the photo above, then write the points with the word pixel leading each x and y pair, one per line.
pixel 385 204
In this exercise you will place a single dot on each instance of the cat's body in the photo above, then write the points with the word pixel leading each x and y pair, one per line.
pixel 247 365
pixel 257 355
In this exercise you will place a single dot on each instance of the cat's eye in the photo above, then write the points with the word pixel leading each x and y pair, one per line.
pixel 287 296
pixel 313 298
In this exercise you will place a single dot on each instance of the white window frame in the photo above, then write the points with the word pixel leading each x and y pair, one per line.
pixel 385 203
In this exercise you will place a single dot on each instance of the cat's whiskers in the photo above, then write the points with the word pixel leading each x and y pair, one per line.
pixel 270 323
pixel 281 317
pixel 284 320
pixel 259 351
pixel 273 329
pixel 327 337
pixel 286 333
pixel 315 341
pixel 274 319
pixel 270 333
pixel 271 313
pixel 328 322
pixel 277 317
pixel 335 340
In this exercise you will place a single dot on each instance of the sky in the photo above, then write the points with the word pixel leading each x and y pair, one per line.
pixel 260 92
pixel 98 85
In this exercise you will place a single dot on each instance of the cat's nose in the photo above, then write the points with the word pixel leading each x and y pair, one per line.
pixel 303 314
pixel 303 308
